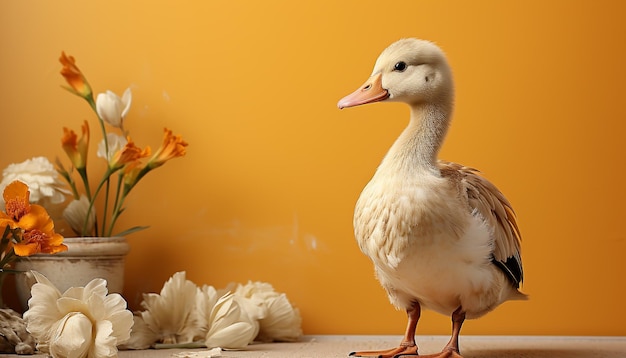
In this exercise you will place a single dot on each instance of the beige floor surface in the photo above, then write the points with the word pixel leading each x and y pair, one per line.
pixel 471 347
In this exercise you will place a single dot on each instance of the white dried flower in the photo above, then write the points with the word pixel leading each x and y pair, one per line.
pixel 169 314
pixel 141 336
pixel 283 322
pixel 42 179
pixel 278 319
pixel 82 322
pixel 113 108
pixel 222 320
pixel 184 315
pixel 76 212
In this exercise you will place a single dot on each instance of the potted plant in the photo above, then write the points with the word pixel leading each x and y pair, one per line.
pixel 98 250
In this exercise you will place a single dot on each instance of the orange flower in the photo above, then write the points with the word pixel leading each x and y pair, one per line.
pixel 77 82
pixel 16 197
pixel 132 173
pixel 75 148
pixel 38 228
pixel 129 154
pixel 42 239
pixel 172 147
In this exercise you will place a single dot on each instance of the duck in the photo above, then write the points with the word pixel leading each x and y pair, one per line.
pixel 440 235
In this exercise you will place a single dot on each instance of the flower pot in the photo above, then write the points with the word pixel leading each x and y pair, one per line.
pixel 85 259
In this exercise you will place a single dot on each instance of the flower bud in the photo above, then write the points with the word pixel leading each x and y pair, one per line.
pixel 112 108
pixel 72 336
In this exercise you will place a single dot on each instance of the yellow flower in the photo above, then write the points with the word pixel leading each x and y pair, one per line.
pixel 38 228
pixel 77 82
pixel 75 148
pixel 172 147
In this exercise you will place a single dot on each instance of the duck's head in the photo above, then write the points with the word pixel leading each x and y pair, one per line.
pixel 409 70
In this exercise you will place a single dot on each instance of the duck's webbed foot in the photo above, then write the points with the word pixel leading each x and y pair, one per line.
pixel 446 353
pixel 407 347
pixel 403 350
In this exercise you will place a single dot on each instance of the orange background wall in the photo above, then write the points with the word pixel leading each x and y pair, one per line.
pixel 273 169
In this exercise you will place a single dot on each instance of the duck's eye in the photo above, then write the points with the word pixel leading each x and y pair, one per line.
pixel 400 66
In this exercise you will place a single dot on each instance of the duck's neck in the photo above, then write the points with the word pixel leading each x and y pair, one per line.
pixel 417 147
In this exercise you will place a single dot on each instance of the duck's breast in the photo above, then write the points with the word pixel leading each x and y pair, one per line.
pixel 393 214
pixel 425 243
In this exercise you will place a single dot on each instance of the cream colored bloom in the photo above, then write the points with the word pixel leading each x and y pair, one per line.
pixel 222 320
pixel 169 314
pixel 141 336
pixel 282 323
pixel 113 108
pixel 42 179
pixel 184 313
pixel 115 143
pixel 76 212
pixel 82 322
pixel 278 319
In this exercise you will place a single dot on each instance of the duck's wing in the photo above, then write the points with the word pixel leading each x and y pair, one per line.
pixel 487 201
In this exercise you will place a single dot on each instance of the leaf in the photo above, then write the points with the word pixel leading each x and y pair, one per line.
pixel 131 230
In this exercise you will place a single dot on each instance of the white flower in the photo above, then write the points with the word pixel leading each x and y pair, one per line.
pixel 82 322
pixel 185 315
pixel 42 179
pixel 76 212
pixel 113 108
pixel 278 319
pixel 141 336
pixel 282 323
pixel 222 320
pixel 115 143
pixel 169 314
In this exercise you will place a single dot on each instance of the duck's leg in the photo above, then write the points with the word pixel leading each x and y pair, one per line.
pixel 451 350
pixel 407 347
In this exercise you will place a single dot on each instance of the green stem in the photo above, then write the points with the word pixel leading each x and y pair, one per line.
pixel 117 211
pixel 85 178
pixel 68 178
pixel 107 177
pixel 117 205
pixel 145 170
pixel 106 206
pixel 127 188
pixel 92 104
pixel 105 180
pixel 72 185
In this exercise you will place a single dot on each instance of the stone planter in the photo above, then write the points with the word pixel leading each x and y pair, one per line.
pixel 86 258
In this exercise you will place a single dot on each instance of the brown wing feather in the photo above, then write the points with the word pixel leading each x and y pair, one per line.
pixel 484 198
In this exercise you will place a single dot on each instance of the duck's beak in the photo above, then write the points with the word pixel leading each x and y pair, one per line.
pixel 371 91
